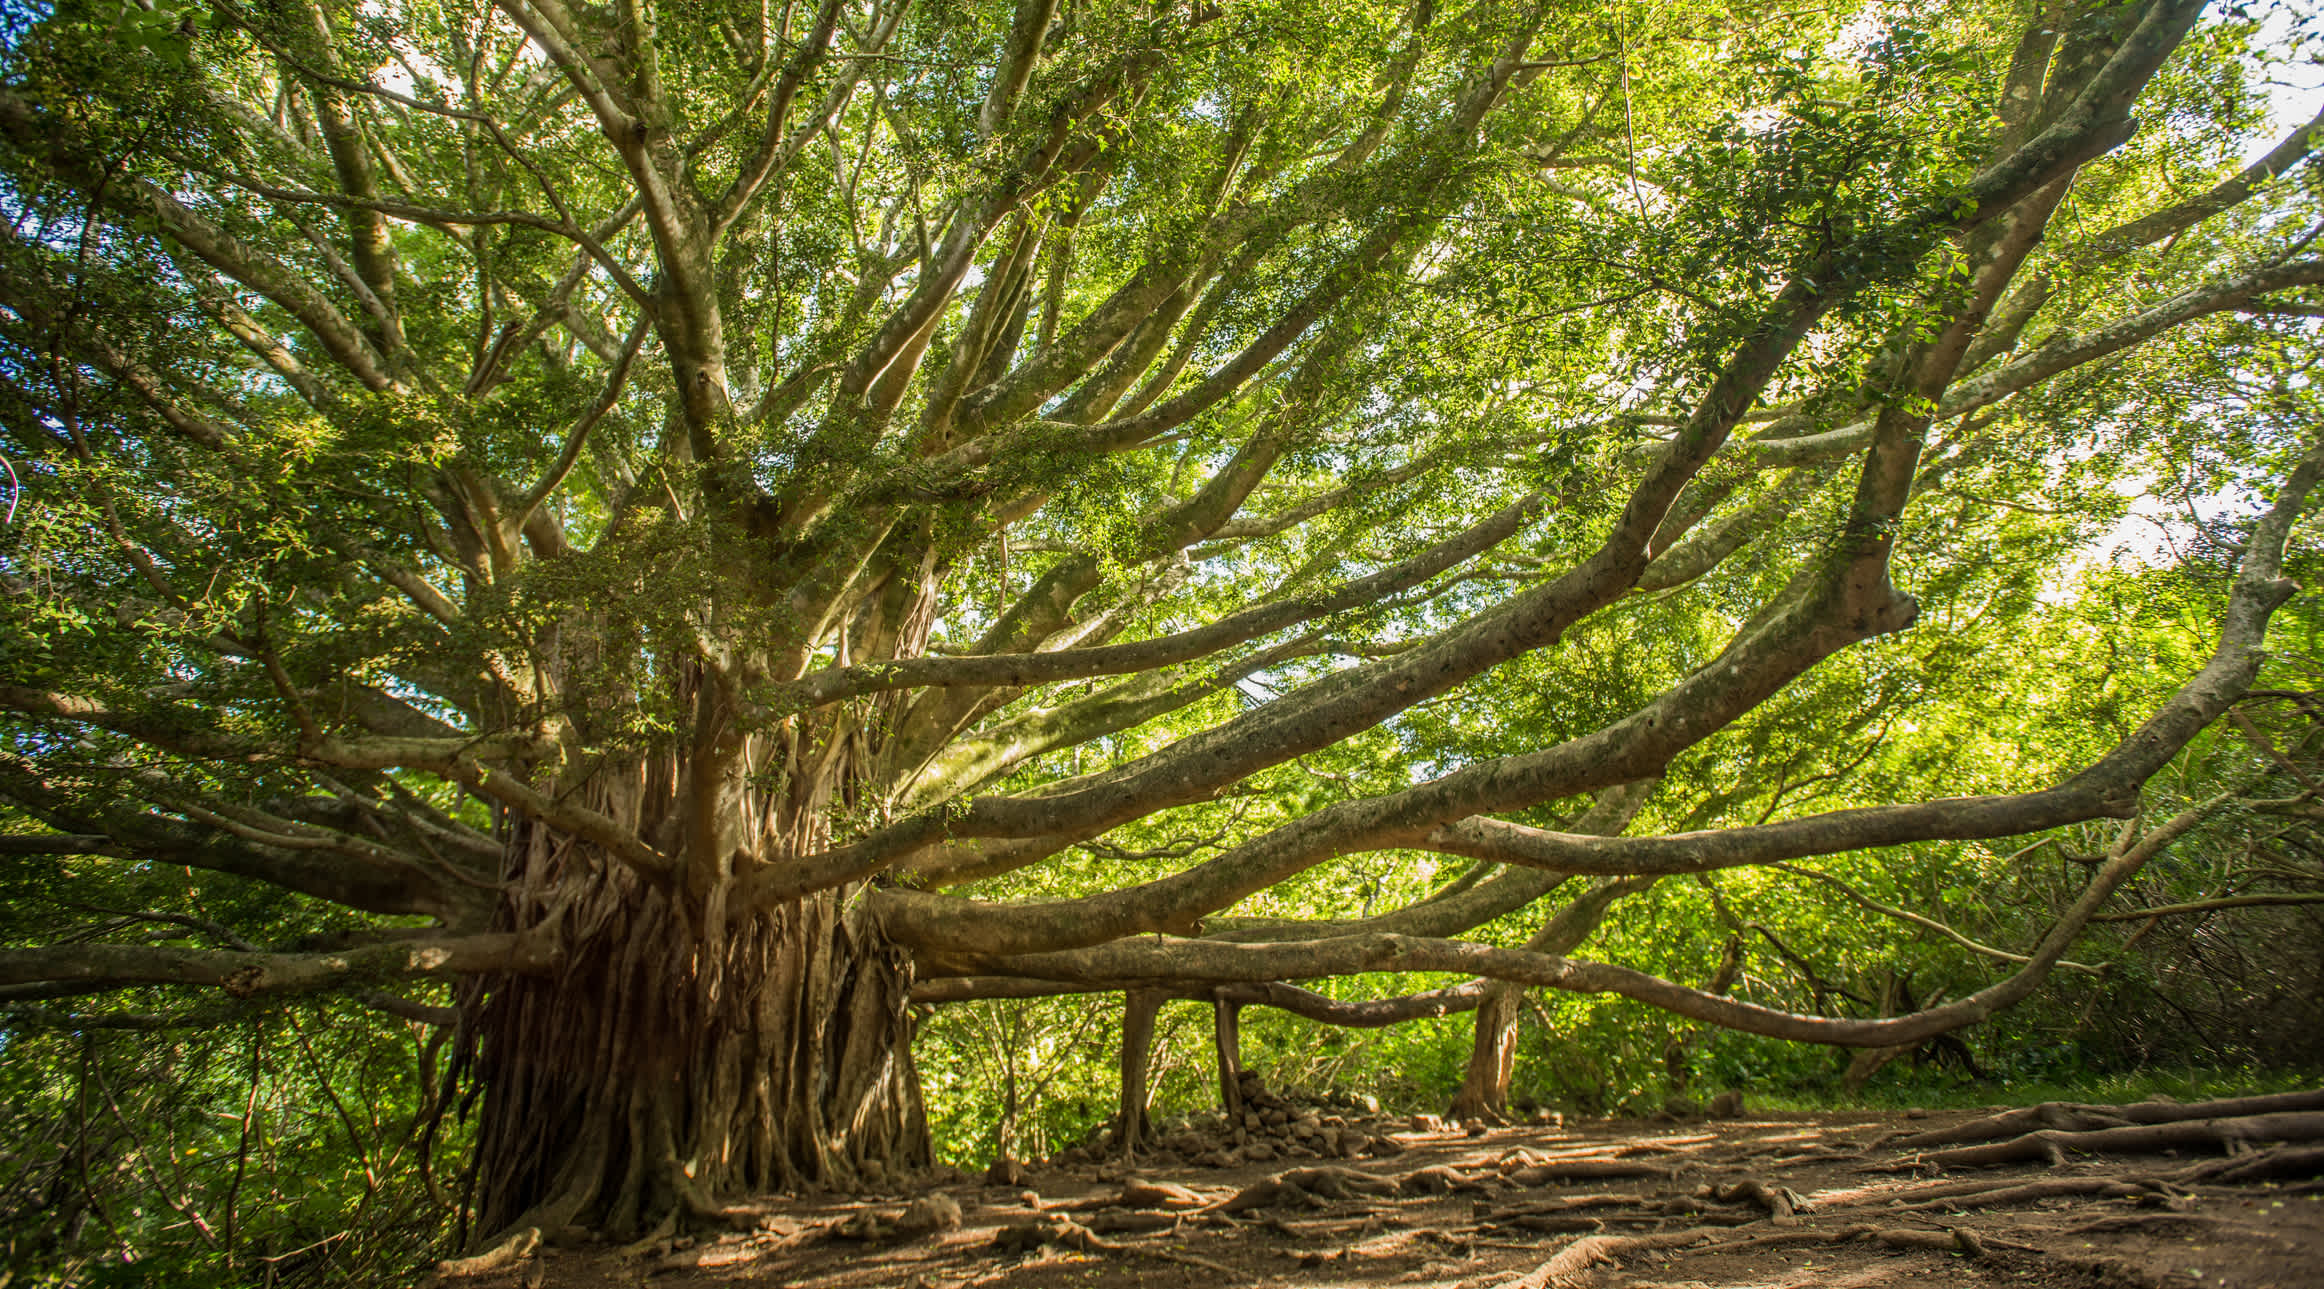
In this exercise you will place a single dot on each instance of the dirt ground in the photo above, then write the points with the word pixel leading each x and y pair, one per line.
pixel 1834 1201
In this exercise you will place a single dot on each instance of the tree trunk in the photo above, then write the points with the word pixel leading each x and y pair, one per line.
pixel 1227 1036
pixel 680 1055
pixel 1484 1092
pixel 1140 1008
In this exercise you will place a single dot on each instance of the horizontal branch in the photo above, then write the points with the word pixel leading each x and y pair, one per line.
pixel 1168 961
pixel 2207 906
pixel 90 967
pixel 1355 1013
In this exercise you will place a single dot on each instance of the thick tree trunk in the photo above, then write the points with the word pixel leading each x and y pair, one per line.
pixel 680 1056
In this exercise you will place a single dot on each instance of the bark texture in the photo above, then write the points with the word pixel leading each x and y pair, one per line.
pixel 681 1054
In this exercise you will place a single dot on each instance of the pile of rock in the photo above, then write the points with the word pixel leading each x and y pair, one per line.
pixel 1269 1127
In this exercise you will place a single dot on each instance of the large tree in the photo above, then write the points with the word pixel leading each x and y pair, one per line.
pixel 689 517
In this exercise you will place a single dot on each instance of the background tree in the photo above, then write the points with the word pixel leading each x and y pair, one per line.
pixel 687 519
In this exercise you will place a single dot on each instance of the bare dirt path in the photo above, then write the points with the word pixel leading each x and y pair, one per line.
pixel 2114 1197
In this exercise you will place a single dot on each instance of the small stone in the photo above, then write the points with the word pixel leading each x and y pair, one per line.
pixel 1383 1146
pixel 1274 1118
pixel 1917 1112
pixel 1252 1121
pixel 1259 1152
pixel 1727 1105
pixel 1427 1123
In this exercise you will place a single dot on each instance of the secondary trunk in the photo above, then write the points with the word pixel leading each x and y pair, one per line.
pixel 680 1055
pixel 1484 1092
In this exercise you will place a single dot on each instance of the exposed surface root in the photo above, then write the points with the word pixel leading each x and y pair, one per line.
pixel 1571 1264
pixel 1063 1232
pixel 2005 1196
pixel 2053 1145
pixel 2075 1116
pixel 1782 1203
pixel 1584 1170
pixel 518 1246
pixel 1687 1210
pixel 2268 1165
pixel 1309 1187
pixel 1137 1193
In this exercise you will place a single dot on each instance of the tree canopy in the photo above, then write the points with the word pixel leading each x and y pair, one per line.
pixel 652 535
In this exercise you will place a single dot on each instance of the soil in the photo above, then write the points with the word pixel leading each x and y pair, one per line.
pixel 1834 1201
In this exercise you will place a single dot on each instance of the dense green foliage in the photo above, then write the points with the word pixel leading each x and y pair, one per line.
pixel 561 562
